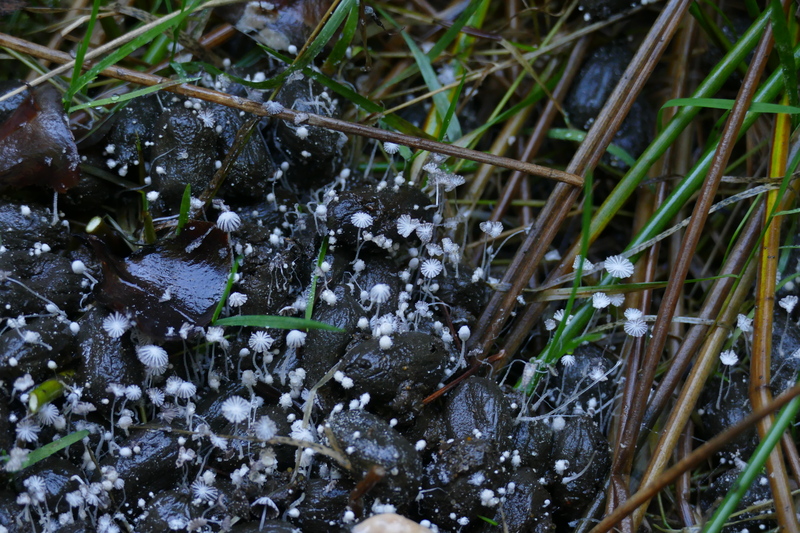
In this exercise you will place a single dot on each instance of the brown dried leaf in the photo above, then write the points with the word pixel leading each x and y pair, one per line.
pixel 37 146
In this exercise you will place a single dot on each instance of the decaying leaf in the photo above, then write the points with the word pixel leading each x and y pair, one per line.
pixel 37 146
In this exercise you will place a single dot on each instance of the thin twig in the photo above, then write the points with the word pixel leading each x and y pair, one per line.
pixel 69 62
pixel 250 106
pixel 648 491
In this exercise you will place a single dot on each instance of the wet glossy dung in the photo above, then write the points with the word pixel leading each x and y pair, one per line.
pixel 585 448
pixel 371 441
pixel 385 206
pixel 401 376
pixel 478 409
pixel 103 360
pixel 598 77
pixel 173 282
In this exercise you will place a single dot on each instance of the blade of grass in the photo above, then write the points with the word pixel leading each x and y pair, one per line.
pixel 429 76
pixel 148 229
pixel 586 219
pixel 52 447
pixel 783 45
pixel 343 42
pixel 452 108
pixel 713 31
pixel 323 250
pixel 226 291
pixel 441 44
pixel 186 205
pixel 73 88
pixel 276 322
pixel 121 99
pixel 727 104
pixel 126 49
pixel 157 50
pixel 452 32
pixel 453 130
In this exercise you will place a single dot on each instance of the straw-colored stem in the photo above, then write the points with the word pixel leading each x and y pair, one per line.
pixel 760 393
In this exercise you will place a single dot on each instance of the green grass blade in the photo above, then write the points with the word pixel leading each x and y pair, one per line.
pixel 783 45
pixel 121 99
pixel 452 32
pixel 727 104
pixel 754 466
pixel 74 87
pixel 441 44
pixel 227 291
pixel 186 205
pixel 50 448
pixel 276 322
pixel 157 50
pixel 348 32
pixel 452 108
pixel 488 520
pixel 128 48
pixel 440 100
pixel 432 82
pixel 312 294
pixel 566 134
pixel 713 31
pixel 586 218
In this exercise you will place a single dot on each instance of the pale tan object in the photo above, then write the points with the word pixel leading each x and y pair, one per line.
pixel 389 523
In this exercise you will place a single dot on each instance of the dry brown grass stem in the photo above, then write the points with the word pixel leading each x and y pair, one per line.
pixel 648 491
pixel 694 231
pixel 558 206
